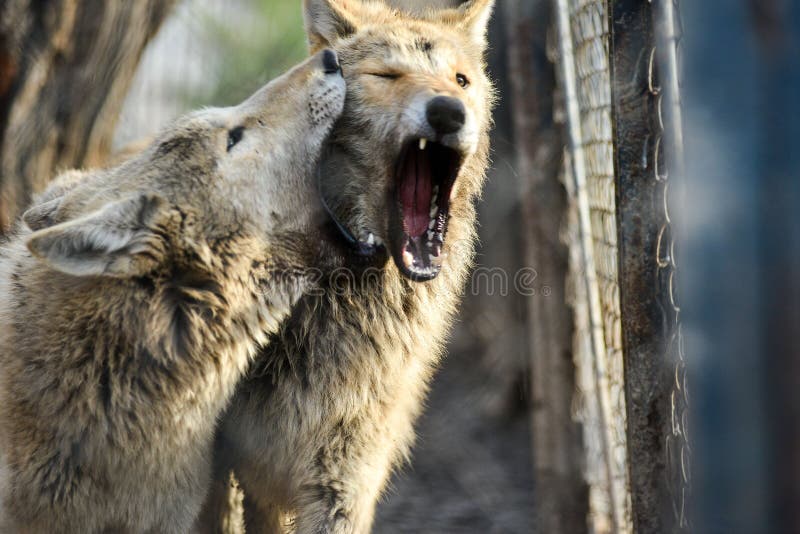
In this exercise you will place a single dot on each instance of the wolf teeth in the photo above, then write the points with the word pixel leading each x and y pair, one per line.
pixel 408 258
pixel 423 143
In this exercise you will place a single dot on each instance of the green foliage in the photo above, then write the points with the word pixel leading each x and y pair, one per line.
pixel 268 41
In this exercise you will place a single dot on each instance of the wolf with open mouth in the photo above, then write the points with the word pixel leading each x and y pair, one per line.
pixel 418 106
pixel 315 431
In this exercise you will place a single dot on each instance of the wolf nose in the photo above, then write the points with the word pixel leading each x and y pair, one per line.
pixel 446 114
pixel 330 62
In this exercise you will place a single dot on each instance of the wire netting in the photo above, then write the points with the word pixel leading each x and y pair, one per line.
pixel 600 122
pixel 678 449
pixel 600 405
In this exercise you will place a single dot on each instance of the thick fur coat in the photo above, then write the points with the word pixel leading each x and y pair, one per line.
pixel 133 299
pixel 328 411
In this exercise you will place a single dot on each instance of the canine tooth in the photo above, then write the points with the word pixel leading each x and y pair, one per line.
pixel 434 210
pixel 431 224
pixel 422 143
pixel 408 258
pixel 370 239
pixel 435 191
pixel 430 237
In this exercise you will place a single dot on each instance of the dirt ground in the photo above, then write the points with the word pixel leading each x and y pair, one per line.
pixel 471 469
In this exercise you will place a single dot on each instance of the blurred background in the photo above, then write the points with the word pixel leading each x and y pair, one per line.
pixel 626 357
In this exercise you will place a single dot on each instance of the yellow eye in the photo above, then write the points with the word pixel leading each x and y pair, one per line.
pixel 462 80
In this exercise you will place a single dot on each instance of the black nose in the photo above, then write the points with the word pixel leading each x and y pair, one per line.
pixel 446 114
pixel 330 62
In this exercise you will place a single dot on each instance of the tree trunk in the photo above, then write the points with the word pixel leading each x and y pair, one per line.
pixel 65 67
pixel 561 493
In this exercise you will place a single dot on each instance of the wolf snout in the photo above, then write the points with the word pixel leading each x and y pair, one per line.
pixel 330 62
pixel 446 114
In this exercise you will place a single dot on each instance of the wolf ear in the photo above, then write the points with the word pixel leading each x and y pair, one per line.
pixel 471 17
pixel 329 20
pixel 118 240
pixel 42 215
pixel 46 209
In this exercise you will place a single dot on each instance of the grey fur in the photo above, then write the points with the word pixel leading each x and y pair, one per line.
pixel 139 302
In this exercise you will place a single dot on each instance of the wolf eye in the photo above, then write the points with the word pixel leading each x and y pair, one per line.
pixel 462 80
pixel 234 136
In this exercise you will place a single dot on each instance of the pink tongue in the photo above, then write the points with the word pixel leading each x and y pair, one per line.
pixel 415 192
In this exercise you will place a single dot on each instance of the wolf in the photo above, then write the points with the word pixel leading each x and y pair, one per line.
pixel 328 411
pixel 133 299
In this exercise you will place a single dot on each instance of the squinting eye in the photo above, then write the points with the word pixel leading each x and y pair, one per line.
pixel 387 75
pixel 462 80
pixel 234 136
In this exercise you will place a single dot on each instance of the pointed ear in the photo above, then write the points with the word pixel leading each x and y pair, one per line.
pixel 42 215
pixel 119 240
pixel 471 17
pixel 327 21
pixel 46 208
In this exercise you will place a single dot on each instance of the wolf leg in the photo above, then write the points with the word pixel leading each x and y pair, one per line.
pixel 222 510
pixel 337 512
pixel 345 489
pixel 261 518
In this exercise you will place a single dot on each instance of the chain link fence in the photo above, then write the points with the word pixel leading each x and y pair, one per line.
pixel 668 159
pixel 618 66
pixel 600 399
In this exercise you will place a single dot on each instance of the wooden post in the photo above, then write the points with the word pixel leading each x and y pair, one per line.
pixel 561 494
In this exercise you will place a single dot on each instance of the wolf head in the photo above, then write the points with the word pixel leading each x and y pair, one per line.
pixel 215 177
pixel 409 153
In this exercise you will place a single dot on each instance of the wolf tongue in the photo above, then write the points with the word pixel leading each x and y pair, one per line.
pixel 415 191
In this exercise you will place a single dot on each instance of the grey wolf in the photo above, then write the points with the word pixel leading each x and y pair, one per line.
pixel 133 299
pixel 328 411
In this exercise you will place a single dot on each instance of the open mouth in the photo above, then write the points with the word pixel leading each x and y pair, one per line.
pixel 424 176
